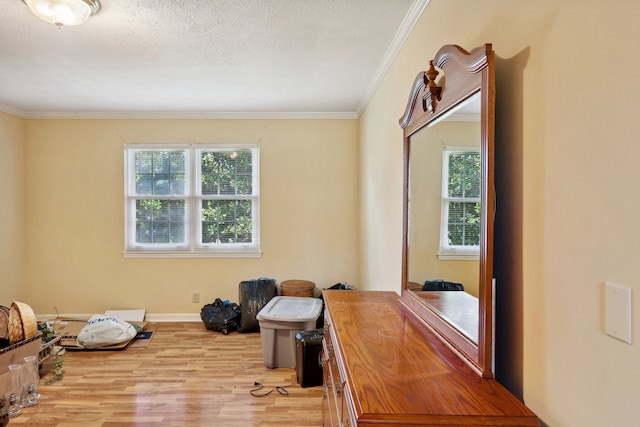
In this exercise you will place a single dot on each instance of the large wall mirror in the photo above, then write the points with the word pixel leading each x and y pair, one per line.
pixel 447 276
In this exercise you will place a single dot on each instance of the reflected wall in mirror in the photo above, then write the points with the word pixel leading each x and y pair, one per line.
pixel 448 207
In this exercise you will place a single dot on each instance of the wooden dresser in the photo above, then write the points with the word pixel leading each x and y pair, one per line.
pixel 384 366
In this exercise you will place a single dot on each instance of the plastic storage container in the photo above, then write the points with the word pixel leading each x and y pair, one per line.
pixel 280 320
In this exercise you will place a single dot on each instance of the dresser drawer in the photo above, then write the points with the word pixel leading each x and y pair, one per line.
pixel 338 411
pixel 329 406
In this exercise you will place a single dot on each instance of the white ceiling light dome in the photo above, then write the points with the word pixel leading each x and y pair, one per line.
pixel 63 12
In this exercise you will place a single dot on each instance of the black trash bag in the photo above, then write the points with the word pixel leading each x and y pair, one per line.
pixel 254 295
pixel 442 285
pixel 338 286
pixel 221 316
pixel 342 286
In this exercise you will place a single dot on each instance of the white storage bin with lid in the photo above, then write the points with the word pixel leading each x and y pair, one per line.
pixel 280 320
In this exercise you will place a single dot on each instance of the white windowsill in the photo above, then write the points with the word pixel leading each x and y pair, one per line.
pixel 188 254
pixel 458 257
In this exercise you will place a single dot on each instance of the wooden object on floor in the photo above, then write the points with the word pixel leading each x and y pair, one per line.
pixel 187 376
pixel 383 365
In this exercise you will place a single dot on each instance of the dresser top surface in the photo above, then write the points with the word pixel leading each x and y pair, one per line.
pixel 396 366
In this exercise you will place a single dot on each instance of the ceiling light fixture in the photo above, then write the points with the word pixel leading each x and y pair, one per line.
pixel 63 12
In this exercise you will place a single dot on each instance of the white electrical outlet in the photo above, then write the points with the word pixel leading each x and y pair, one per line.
pixel 617 311
pixel 195 297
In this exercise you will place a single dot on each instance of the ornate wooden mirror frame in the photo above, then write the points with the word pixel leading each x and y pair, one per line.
pixel 454 76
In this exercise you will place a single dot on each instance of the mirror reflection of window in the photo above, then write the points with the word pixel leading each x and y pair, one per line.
pixel 460 219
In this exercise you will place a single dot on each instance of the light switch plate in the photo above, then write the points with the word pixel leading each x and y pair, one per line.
pixel 617 321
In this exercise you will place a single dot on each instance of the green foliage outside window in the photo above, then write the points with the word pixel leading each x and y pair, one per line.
pixel 226 221
pixel 160 221
pixel 227 173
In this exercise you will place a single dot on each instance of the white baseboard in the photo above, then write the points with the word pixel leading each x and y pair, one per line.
pixel 173 317
pixel 149 317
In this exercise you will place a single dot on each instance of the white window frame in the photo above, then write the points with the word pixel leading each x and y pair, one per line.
pixel 193 246
pixel 447 251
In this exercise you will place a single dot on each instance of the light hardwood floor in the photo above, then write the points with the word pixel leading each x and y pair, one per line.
pixel 187 376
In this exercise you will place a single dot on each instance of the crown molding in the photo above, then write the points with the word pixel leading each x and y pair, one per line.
pixel 178 115
pixel 4 108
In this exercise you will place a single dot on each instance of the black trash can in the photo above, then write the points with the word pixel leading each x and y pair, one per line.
pixel 308 360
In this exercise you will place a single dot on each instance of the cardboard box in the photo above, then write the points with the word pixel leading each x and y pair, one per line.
pixel 18 351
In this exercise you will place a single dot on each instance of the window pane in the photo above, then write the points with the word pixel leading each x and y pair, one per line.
pixel 144 160
pixel 143 232
pixel 160 232
pixel 227 172
pixel 226 221
pixel 144 183
pixel 177 184
pixel 178 172
pixel 176 211
pixel 160 162
pixel 464 175
pixel 160 172
pixel 160 221
pixel 160 184
pixel 471 165
pixel 464 224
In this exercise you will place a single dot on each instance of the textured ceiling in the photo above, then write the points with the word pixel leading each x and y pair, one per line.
pixel 202 58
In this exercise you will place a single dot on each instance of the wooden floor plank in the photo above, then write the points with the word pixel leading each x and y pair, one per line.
pixel 187 376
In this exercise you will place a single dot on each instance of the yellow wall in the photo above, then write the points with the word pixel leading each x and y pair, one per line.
pixel 12 202
pixel 74 213
pixel 568 146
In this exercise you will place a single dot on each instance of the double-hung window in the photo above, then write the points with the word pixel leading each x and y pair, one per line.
pixel 192 200
pixel 460 223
